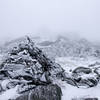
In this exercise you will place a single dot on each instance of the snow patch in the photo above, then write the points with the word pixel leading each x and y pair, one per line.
pixel 9 94
pixel 70 92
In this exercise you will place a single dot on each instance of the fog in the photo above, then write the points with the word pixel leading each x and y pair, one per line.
pixel 49 17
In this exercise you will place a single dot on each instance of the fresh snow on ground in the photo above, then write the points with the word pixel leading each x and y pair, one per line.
pixel 70 63
pixel 9 94
pixel 69 91
pixel 4 83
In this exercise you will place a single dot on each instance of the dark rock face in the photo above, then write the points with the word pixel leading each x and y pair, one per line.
pixel 50 92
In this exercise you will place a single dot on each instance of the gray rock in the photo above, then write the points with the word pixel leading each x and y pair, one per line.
pixel 82 70
pixel 11 85
pixel 13 67
pixel 50 92
pixel 90 79
pixel 89 82
pixel 97 71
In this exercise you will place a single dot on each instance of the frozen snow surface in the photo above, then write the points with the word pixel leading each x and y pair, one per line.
pixel 70 63
pixel 71 92
pixel 9 94
pixel 73 48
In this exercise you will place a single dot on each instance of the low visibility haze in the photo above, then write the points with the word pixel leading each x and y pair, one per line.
pixel 49 17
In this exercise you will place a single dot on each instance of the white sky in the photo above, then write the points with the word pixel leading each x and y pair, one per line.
pixel 19 17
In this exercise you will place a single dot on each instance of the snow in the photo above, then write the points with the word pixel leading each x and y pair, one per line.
pixel 9 94
pixel 85 76
pixel 4 83
pixel 1 56
pixel 70 63
pixel 70 92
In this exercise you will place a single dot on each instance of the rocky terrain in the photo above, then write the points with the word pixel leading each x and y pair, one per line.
pixel 71 48
pixel 32 69
pixel 26 67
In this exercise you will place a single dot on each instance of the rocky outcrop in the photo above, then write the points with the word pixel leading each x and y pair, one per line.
pixel 34 73
pixel 82 70
pixel 49 92
pixel 97 71
pixel 85 77
pixel 27 67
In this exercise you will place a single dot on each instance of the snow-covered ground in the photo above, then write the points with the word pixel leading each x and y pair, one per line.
pixel 9 94
pixel 70 92
pixel 70 63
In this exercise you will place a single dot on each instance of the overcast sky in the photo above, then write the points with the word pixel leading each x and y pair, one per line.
pixel 20 17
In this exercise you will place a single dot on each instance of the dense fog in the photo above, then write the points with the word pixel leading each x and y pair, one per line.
pixel 43 17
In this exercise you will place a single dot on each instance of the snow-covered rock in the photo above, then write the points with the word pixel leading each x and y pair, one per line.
pixel 27 66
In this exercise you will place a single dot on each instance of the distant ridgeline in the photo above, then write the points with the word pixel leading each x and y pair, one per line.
pixel 61 47
pixel 64 47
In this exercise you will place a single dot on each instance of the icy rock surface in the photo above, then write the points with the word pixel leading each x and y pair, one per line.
pixel 29 68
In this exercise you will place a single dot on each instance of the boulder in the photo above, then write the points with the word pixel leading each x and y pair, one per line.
pixel 85 77
pixel 88 82
pixel 50 92
pixel 97 71
pixel 82 70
